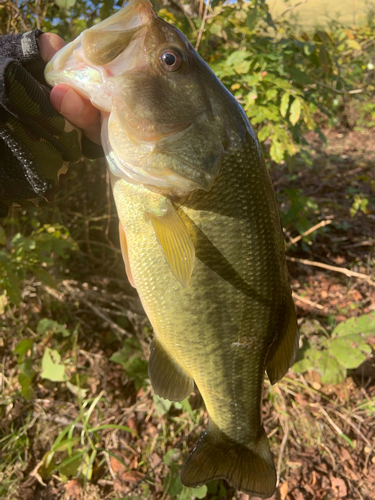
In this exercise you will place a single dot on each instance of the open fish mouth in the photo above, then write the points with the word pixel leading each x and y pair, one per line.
pixel 107 50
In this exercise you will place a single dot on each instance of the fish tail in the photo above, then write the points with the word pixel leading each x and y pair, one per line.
pixel 248 468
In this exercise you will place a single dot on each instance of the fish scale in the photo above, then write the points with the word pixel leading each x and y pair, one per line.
pixel 200 232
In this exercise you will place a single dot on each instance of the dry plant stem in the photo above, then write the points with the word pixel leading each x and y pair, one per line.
pixel 323 223
pixel 342 270
pixel 78 294
pixel 357 430
pixel 292 7
pixel 309 302
pixel 282 447
pixel 201 30
pixel 330 454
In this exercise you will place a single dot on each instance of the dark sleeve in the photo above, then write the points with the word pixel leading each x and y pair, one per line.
pixel 36 142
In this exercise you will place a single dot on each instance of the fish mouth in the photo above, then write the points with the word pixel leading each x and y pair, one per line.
pixel 112 47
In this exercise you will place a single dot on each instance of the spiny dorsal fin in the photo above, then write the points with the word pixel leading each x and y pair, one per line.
pixel 175 241
pixel 125 254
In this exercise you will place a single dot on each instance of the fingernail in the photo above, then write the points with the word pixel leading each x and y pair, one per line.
pixel 66 101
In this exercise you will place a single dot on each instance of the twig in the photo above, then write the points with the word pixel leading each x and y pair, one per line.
pixel 344 92
pixel 75 292
pixel 336 427
pixel 292 7
pixel 201 29
pixel 282 448
pixel 309 302
pixel 330 454
pixel 357 430
pixel 323 223
pixel 342 270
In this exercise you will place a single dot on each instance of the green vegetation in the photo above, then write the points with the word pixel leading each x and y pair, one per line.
pixel 78 417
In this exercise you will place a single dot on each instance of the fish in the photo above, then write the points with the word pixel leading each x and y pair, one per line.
pixel 200 232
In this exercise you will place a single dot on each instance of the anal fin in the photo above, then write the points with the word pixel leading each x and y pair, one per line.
pixel 168 379
pixel 282 356
pixel 125 254
pixel 175 242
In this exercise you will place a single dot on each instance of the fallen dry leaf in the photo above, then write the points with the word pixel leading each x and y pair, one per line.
pixel 283 490
pixel 117 466
pixel 339 487
pixel 131 476
pixel 74 489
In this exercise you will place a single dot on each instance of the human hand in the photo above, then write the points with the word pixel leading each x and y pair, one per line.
pixel 76 109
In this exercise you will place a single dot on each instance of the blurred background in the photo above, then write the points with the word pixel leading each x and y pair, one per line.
pixel 78 418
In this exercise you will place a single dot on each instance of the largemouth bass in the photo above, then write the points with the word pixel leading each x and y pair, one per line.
pixel 200 232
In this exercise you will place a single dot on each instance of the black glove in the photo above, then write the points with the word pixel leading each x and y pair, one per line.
pixel 36 142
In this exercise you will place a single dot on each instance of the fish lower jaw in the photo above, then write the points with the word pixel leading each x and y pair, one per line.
pixel 168 185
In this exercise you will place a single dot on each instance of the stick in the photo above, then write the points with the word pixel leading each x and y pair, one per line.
pixel 79 294
pixel 201 29
pixel 323 223
pixel 341 270
pixel 309 302
pixel 292 7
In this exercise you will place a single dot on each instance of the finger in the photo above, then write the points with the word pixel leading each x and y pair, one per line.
pixel 78 110
pixel 49 44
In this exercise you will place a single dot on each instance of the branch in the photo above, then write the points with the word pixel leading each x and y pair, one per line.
pixel 201 29
pixel 342 270
pixel 292 7
pixel 323 223
pixel 309 302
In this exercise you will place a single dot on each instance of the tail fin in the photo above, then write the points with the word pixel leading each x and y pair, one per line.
pixel 247 468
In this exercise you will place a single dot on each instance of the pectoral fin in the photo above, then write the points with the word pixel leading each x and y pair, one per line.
pixel 168 379
pixel 175 241
pixel 125 254
pixel 284 352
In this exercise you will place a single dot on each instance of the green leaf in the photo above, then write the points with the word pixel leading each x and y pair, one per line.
pixel 26 387
pixel 264 133
pixel 48 326
pixel 299 76
pixel 364 324
pixel 65 4
pixel 350 350
pixel 277 151
pixel 295 111
pixel 251 18
pixel 284 104
pixel 130 358
pixel 77 391
pixel 236 58
pixel 52 368
pixel 353 44
pixel 331 371
pixel 22 348
pixel 162 405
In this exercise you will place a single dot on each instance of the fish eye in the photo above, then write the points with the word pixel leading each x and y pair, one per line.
pixel 171 59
